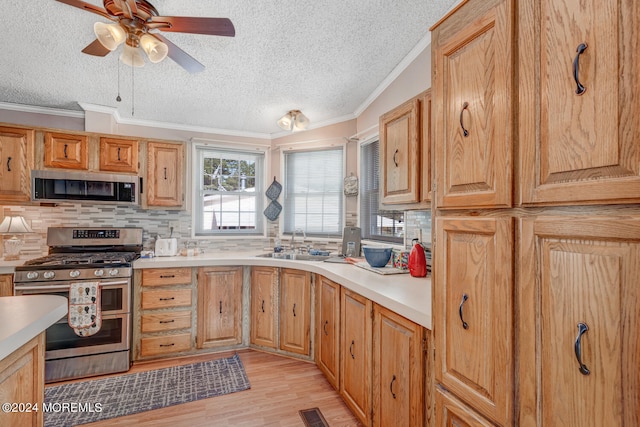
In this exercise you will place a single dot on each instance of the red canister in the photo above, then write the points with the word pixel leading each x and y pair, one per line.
pixel 417 260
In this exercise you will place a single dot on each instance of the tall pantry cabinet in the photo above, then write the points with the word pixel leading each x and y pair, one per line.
pixel 536 213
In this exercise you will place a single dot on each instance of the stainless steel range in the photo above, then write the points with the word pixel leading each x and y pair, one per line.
pixel 102 255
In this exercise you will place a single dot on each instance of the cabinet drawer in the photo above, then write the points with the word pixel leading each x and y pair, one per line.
pixel 166 298
pixel 166 344
pixel 165 321
pixel 166 276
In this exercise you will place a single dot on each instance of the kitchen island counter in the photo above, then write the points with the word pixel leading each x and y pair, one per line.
pixel 408 296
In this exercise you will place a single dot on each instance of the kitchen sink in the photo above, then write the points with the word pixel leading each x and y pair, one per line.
pixel 298 257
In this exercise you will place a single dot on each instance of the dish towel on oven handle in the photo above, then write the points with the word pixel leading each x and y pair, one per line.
pixel 85 316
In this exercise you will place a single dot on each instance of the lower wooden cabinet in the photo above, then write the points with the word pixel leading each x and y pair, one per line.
pixel 398 370
pixel 328 329
pixel 295 311
pixel 264 306
pixel 22 381
pixel 355 353
pixel 219 307
pixel 452 412
pixel 6 285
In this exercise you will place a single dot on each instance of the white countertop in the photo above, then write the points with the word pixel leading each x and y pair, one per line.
pixel 24 317
pixel 408 296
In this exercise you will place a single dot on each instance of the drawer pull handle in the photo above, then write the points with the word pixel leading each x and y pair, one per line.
pixel 167 276
pixel 324 327
pixel 167 345
pixel 580 89
pixel 391 387
pixel 395 160
pixel 465 297
pixel 8 164
pixel 119 154
pixel 465 132
pixel 168 321
pixel 165 173
pixel 167 299
pixel 263 306
pixel 294 310
pixel 220 307
pixel 66 156
pixel 351 349
pixel 577 347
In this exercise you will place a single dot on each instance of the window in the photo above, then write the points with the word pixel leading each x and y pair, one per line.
pixel 228 198
pixel 387 226
pixel 313 199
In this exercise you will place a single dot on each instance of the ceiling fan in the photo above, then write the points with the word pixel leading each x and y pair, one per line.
pixel 134 21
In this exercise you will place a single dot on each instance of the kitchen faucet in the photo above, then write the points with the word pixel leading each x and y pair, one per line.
pixel 293 237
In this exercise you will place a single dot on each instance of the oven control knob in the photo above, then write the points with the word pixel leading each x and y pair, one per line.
pixel 32 275
pixel 48 274
pixel 113 272
pixel 98 273
pixel 74 273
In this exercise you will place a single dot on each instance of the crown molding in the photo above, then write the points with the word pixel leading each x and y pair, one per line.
pixel 41 110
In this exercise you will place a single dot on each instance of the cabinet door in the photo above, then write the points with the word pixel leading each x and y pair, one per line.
pixel 264 306
pixel 398 383
pixel 6 285
pixel 451 412
pixel 473 312
pixel 118 155
pixel 219 306
pixel 355 353
pixel 328 330
pixel 295 311
pixel 66 151
pixel 165 167
pixel 16 162
pixel 578 271
pixel 472 57
pixel 579 147
pixel 400 154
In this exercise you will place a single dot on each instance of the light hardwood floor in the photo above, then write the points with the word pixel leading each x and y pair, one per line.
pixel 280 387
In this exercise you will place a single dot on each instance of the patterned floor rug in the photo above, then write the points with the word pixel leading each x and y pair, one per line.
pixel 101 399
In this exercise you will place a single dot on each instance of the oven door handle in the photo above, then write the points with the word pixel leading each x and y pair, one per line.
pixel 63 287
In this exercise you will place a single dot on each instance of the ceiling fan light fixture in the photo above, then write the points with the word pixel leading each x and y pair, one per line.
pixel 300 122
pixel 132 56
pixel 286 121
pixel 294 121
pixel 110 35
pixel 155 49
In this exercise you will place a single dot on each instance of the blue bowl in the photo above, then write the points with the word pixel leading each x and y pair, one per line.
pixel 377 256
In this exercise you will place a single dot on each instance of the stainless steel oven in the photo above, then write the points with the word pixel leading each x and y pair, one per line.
pixel 69 355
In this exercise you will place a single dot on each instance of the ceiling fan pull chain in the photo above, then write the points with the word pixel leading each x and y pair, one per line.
pixel 118 97
pixel 132 91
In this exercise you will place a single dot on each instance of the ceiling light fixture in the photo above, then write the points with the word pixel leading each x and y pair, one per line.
pixel 113 35
pixel 294 121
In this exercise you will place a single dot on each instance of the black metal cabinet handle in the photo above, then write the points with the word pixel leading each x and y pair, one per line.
pixel 118 153
pixel 465 132
pixel 167 299
pixel 324 327
pixel 168 276
pixel 8 164
pixel 391 387
pixel 465 297
pixel 351 349
pixel 65 151
pixel 294 310
pixel 165 173
pixel 577 347
pixel 168 321
pixel 580 89
pixel 167 345
pixel 263 306
pixel 395 158
pixel 220 307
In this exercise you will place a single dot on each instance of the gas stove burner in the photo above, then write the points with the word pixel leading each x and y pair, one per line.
pixel 83 258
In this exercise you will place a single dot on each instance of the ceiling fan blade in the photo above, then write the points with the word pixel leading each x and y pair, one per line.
pixel 96 48
pixel 193 25
pixel 181 57
pixel 89 7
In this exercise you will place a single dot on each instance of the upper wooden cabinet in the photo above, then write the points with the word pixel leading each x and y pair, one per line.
pixel 66 151
pixel 264 306
pixel 425 146
pixel 165 170
pixel 295 311
pixel 16 162
pixel 579 145
pixel 473 312
pixel 473 96
pixel 400 154
pixel 119 155
pixel 579 321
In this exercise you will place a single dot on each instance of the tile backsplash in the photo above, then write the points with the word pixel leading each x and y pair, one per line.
pixel 417 223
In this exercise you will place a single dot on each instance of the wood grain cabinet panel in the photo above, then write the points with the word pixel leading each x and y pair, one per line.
pixel 166 298
pixel 473 91
pixel 264 306
pixel 119 155
pixel 16 163
pixel 579 271
pixel 6 285
pixel 328 329
pixel 166 321
pixel 355 353
pixel 400 154
pixel 473 312
pixel 219 306
pixel 165 170
pixel 66 151
pixel 579 146
pixel 295 311
pixel 452 412
pixel 166 276
pixel 165 345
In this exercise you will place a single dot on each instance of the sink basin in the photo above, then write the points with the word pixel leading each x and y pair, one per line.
pixel 298 257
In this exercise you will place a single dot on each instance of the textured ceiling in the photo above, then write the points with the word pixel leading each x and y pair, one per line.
pixel 322 57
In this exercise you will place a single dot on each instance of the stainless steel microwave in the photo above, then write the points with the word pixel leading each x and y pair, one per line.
pixel 57 186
